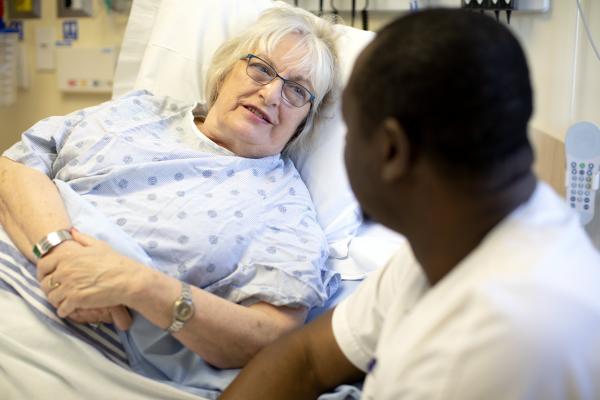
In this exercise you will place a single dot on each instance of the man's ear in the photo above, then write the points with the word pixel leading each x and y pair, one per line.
pixel 395 150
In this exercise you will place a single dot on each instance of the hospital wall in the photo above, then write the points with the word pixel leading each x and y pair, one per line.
pixel 565 72
pixel 42 98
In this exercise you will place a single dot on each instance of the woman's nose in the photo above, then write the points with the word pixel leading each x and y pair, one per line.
pixel 271 92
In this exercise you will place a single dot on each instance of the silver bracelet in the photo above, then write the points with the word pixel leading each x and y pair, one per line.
pixel 50 241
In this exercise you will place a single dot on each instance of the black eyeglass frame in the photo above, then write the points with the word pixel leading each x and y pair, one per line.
pixel 250 56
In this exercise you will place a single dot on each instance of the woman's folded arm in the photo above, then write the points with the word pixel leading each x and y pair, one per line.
pixel 224 334
pixel 30 205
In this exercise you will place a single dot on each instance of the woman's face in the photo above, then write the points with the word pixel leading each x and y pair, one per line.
pixel 253 120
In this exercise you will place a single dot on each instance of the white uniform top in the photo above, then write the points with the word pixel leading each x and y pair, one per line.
pixel 518 318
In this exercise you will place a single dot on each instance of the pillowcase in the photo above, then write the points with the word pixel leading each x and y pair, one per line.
pixel 167 49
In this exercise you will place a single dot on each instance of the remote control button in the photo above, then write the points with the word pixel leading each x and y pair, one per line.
pixel 581 165
pixel 572 198
pixel 573 164
pixel 572 205
pixel 586 207
pixel 583 172
pixel 587 200
pixel 587 193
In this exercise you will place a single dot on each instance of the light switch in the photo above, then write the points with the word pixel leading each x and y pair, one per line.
pixel 44 48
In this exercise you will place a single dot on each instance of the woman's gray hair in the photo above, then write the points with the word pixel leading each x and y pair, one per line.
pixel 316 35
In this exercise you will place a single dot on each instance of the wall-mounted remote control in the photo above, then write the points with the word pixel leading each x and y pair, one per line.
pixel 582 178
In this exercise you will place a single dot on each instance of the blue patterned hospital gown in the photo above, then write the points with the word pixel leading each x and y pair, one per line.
pixel 244 229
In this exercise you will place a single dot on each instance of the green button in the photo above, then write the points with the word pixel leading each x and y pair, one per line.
pixel 582 165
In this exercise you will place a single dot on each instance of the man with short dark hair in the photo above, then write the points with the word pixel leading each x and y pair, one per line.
pixel 500 299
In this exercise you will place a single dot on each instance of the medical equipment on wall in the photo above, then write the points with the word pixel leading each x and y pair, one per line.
pixel 24 9
pixel 507 6
pixel 352 8
pixel 86 70
pixel 365 16
pixel 75 8
pixel 514 5
pixel 582 177
pixel 8 62
pixel 118 6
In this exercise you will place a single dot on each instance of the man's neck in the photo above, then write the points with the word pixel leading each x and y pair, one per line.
pixel 458 222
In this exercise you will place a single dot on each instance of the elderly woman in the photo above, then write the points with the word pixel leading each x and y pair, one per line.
pixel 227 252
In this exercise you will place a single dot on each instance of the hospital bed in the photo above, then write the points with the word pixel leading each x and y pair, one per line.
pixel 166 50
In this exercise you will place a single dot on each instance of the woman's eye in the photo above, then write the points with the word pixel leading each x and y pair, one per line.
pixel 298 90
pixel 262 68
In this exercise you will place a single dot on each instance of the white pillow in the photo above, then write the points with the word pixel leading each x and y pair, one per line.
pixel 167 48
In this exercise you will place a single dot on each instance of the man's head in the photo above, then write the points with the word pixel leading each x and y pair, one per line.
pixel 455 84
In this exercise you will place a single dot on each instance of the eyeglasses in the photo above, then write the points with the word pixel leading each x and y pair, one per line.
pixel 261 72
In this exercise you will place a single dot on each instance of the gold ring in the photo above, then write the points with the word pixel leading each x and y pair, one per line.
pixel 53 285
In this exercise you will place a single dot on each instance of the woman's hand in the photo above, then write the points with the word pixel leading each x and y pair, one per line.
pixel 117 315
pixel 90 276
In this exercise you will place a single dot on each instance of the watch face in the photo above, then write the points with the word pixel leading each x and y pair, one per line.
pixel 184 310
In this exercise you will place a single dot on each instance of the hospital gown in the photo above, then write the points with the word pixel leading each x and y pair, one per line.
pixel 137 170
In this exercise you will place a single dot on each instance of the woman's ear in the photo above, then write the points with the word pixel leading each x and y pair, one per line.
pixel 395 150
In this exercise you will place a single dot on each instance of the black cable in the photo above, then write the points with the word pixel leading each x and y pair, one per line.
pixel 353 14
pixel 365 16
pixel 333 9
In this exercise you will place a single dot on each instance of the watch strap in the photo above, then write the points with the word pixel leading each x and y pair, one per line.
pixel 50 241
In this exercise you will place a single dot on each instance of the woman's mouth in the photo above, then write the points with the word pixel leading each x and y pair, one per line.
pixel 258 113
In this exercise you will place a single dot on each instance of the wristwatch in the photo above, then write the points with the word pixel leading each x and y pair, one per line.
pixel 50 241
pixel 183 309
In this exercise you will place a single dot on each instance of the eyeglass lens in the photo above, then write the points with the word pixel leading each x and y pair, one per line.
pixel 263 73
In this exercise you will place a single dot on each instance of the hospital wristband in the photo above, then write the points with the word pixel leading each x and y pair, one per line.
pixel 50 241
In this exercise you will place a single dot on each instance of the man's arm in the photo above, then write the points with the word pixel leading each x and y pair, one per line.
pixel 301 365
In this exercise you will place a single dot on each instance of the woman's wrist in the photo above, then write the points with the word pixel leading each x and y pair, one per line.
pixel 137 282
pixel 152 294
pixel 50 241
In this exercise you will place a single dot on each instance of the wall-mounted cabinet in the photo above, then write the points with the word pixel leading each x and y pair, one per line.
pixel 21 9
pixel 74 8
